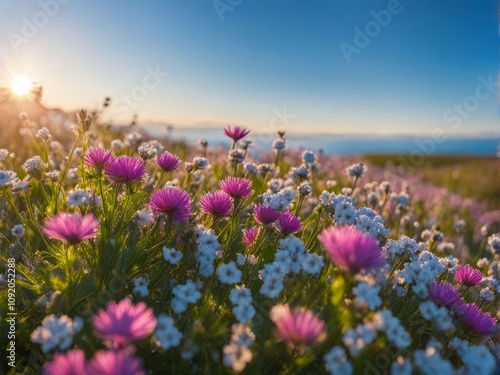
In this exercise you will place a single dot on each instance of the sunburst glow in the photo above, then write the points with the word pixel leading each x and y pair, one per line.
pixel 21 85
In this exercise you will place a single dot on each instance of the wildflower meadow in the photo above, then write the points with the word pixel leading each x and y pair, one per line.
pixel 127 255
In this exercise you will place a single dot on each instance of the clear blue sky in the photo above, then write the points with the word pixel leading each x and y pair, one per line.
pixel 242 63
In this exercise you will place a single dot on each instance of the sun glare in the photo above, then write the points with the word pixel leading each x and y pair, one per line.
pixel 21 85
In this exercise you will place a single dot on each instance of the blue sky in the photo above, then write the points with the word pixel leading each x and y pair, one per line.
pixel 430 67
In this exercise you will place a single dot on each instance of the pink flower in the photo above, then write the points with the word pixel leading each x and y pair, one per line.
pixel 351 249
pixel 174 203
pixel 476 320
pixel 468 276
pixel 289 223
pixel 115 363
pixel 70 363
pixel 444 293
pixel 297 326
pixel 236 132
pixel 168 162
pixel 72 228
pixel 265 215
pixel 98 157
pixel 236 187
pixel 217 204
pixel 250 234
pixel 125 169
pixel 124 323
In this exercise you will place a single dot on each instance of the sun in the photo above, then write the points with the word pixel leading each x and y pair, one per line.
pixel 21 85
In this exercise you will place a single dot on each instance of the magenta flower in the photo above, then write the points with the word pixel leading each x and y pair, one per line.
pixel 297 326
pixel 125 169
pixel 250 234
pixel 468 276
pixel 444 293
pixel 123 323
pixel 476 320
pixel 236 187
pixel 168 162
pixel 115 363
pixel 265 215
pixel 289 223
pixel 236 132
pixel 351 249
pixel 216 203
pixel 98 158
pixel 174 203
pixel 70 363
pixel 72 228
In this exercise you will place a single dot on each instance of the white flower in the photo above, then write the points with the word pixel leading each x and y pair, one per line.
pixel 279 144
pixel 312 263
pixel 144 217
pixel 178 305
pixel 18 231
pixel 200 163
pixel 53 175
pixel 79 197
pixel 7 177
pixel 187 292
pixel 367 295
pixel 56 332
pixel 43 134
pixel 244 312
pixel 236 356
pixel 336 362
pixel 166 334
pixel 33 164
pixel 172 255
pixel 4 154
pixel 117 144
pixel 229 273
pixel 356 170
pixel 141 287
pixel 308 157
pixel 240 295
pixel 242 335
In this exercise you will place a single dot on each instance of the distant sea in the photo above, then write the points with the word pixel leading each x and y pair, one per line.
pixel 347 144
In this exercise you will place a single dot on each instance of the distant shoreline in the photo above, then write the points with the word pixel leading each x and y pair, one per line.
pixel 346 144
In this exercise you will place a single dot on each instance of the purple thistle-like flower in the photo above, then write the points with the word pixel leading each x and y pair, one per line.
pixel 174 203
pixel 265 215
pixel 168 162
pixel 236 132
pixel 351 249
pixel 250 234
pixel 476 320
pixel 444 293
pixel 70 363
pixel 114 363
pixel 98 157
pixel 125 169
pixel 236 187
pixel 123 323
pixel 216 203
pixel 72 228
pixel 468 276
pixel 297 326
pixel 289 223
